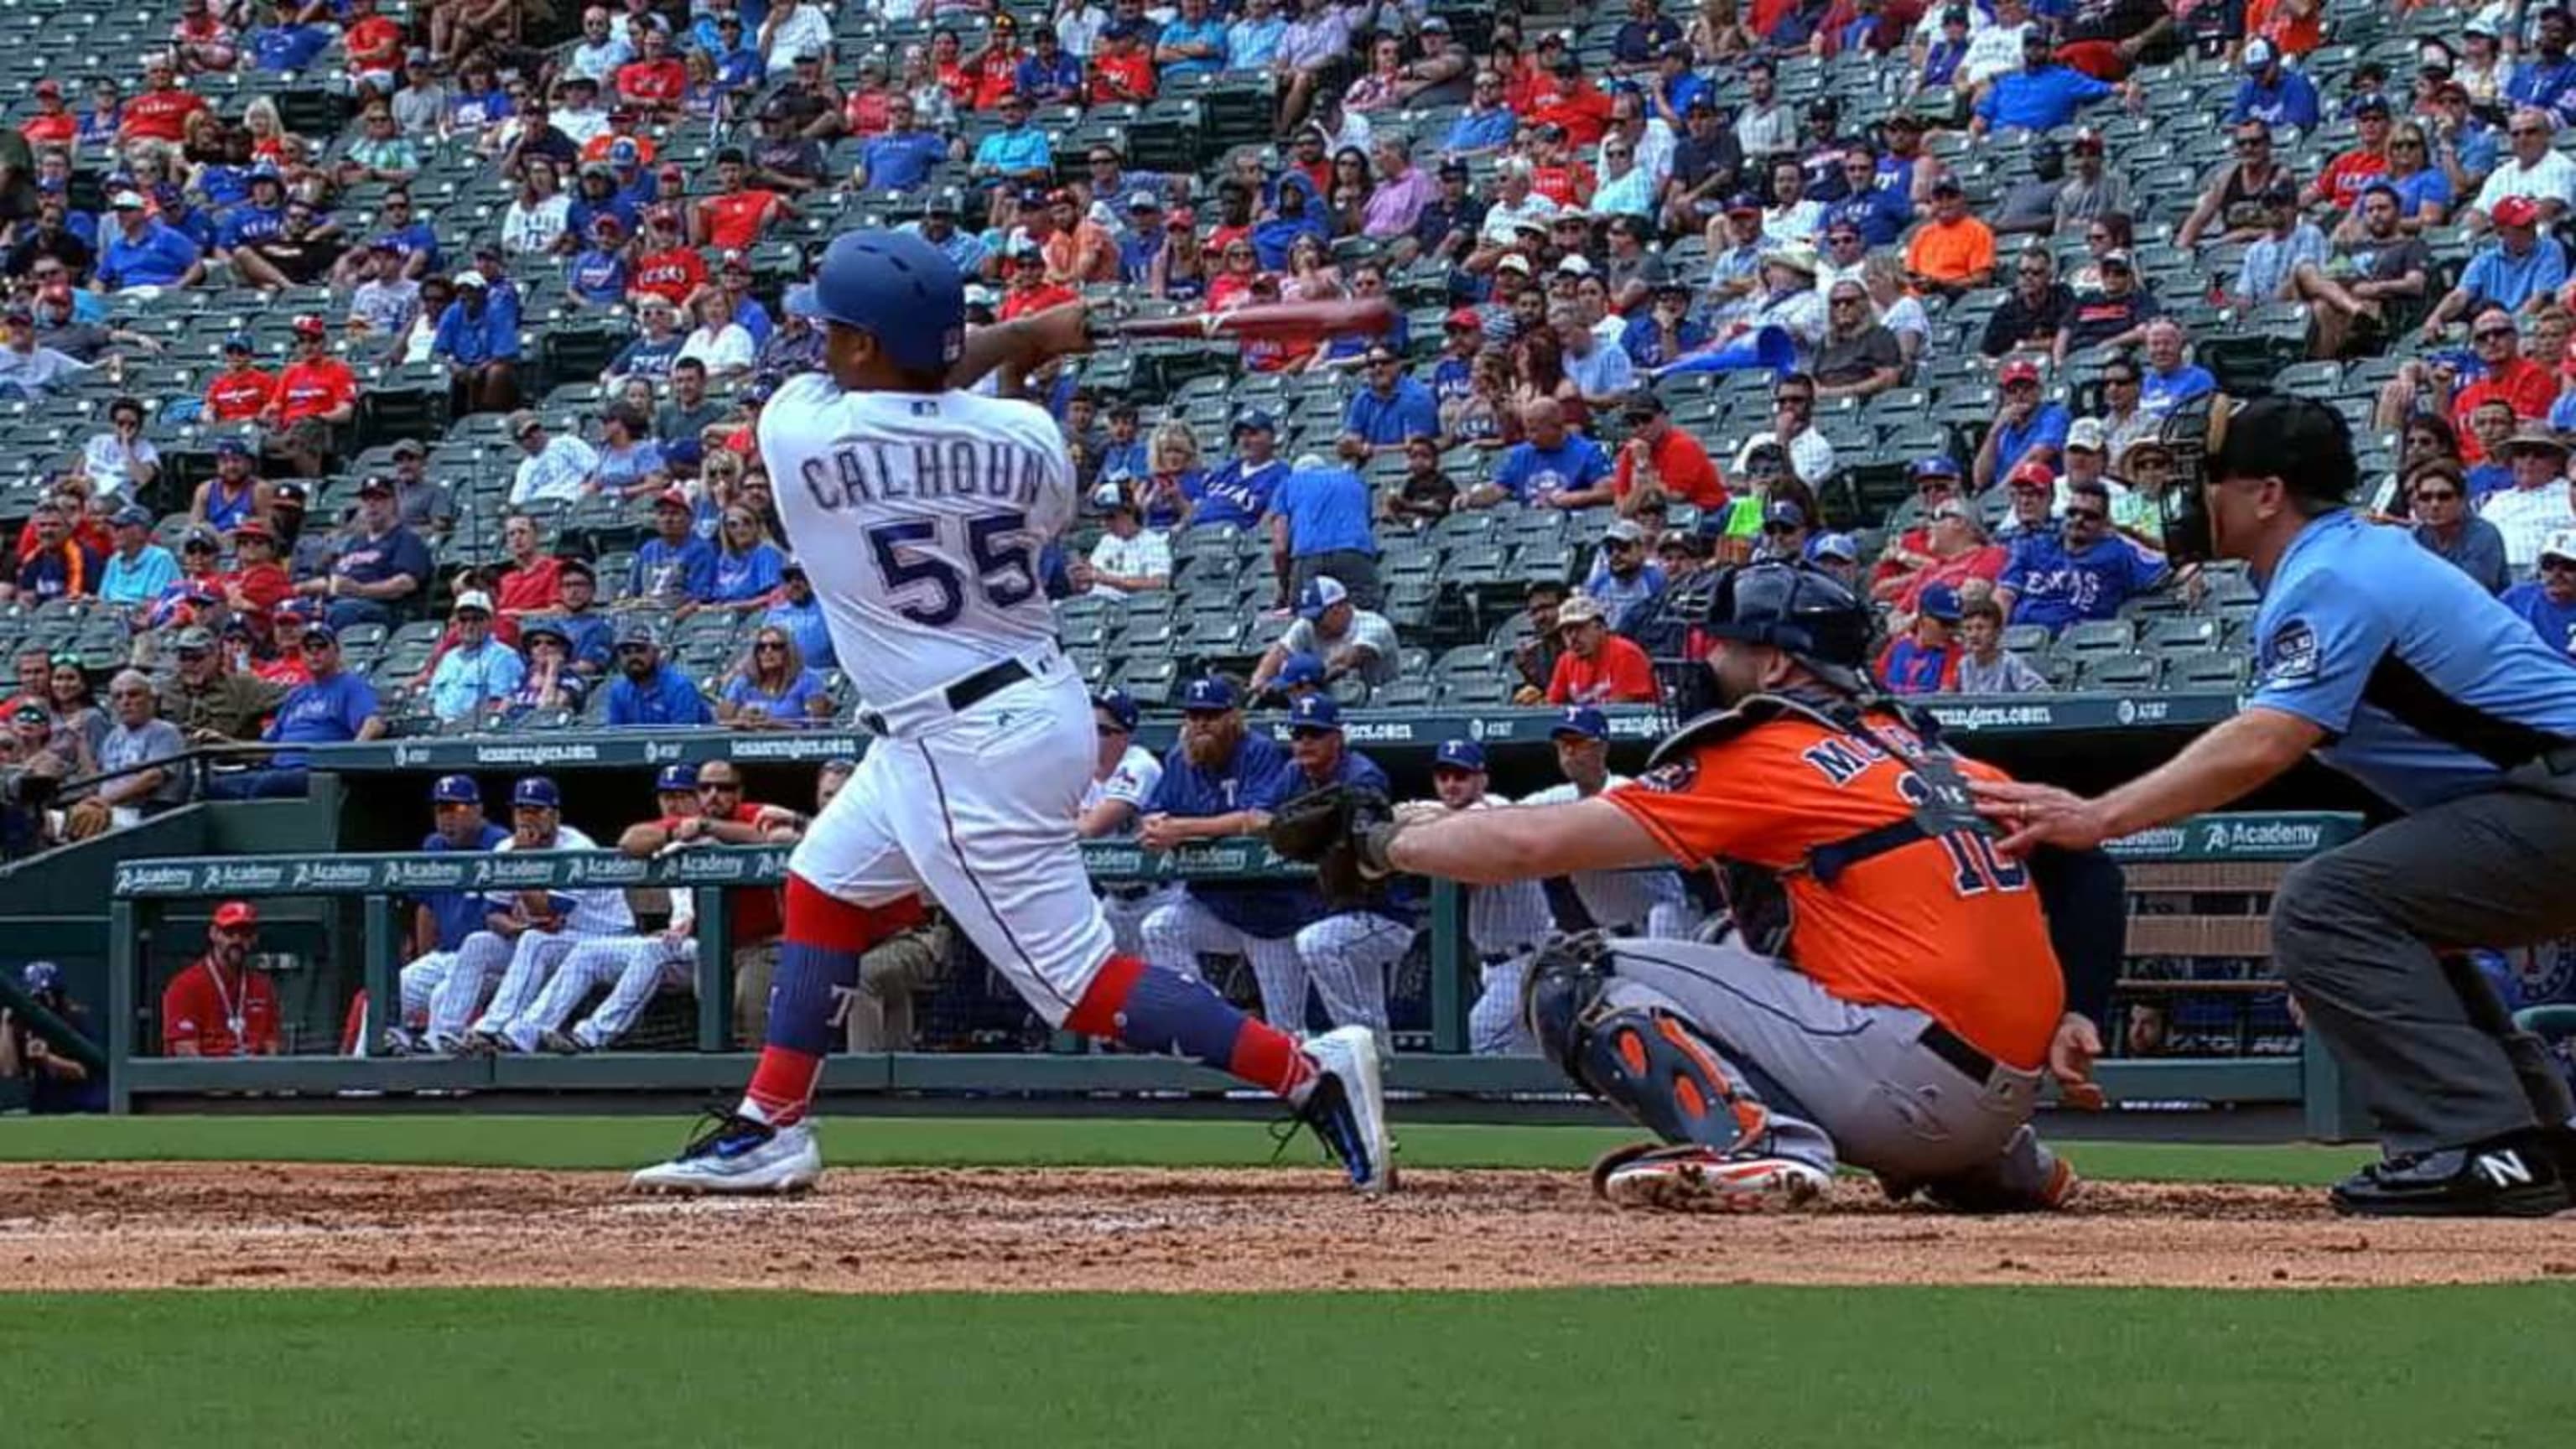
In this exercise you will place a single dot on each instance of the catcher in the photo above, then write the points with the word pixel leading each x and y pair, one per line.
pixel 1885 992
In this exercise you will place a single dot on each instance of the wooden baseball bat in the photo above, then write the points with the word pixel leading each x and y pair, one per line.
pixel 1283 320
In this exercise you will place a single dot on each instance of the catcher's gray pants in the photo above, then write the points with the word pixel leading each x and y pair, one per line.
pixel 1843 1081
pixel 2354 933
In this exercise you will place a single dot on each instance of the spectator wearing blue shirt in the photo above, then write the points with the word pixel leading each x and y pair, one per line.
pixel 1552 467
pixel 1047 74
pixel 2548 603
pixel 2167 381
pixel 137 570
pixel 598 274
pixel 182 215
pixel 2508 272
pixel 1298 215
pixel 478 339
pixel 904 156
pixel 1193 45
pixel 258 219
pixel 1018 152
pixel 675 566
pixel 2041 96
pixel 1239 493
pixel 336 707
pixel 1390 410
pixel 382 567
pixel 2547 79
pixel 1320 525
pixel 2027 427
pixel 1221 780
pixel 628 457
pixel 648 692
pixel 477 671
pixel 772 688
pixel 1252 42
pixel 2437 496
pixel 286 45
pixel 797 611
pixel 142 251
pixel 1487 123
pixel 1622 576
pixel 2085 571
pixel 587 629
pixel 2271 92
pixel 748 568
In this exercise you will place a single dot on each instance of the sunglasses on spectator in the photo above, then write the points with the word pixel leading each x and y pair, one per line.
pixel 719 787
pixel 2120 379
pixel 2086 515
pixel 767 645
pixel 314 645
pixel 2527 131
pixel 2436 495
pixel 2490 334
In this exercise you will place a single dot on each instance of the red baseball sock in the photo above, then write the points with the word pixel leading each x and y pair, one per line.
pixel 825 937
pixel 1169 1014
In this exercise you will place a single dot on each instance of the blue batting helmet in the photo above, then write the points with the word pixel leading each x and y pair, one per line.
pixel 675 778
pixel 537 791
pixel 456 790
pixel 899 288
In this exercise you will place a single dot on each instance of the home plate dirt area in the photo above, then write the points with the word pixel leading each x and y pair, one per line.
pixel 1008 1230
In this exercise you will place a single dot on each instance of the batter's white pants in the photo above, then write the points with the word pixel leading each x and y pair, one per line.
pixel 977 811
pixel 634 968
pixel 1347 956
pixel 1183 929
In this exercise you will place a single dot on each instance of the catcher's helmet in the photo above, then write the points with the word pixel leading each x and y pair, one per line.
pixel 1802 611
pixel 898 288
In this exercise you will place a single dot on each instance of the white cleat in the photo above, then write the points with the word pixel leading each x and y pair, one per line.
pixel 1347 1107
pixel 1698 1180
pixel 738 1155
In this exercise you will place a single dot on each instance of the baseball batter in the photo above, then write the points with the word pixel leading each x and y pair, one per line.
pixel 920 509
pixel 526 934
pixel 1890 996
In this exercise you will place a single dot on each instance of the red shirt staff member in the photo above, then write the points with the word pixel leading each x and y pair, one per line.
pixel 1598 667
pixel 219 1007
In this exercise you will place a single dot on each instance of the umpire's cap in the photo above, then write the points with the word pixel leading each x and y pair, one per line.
pixel 675 779
pixel 455 790
pixel 898 288
pixel 1801 611
pixel 2298 440
pixel 536 792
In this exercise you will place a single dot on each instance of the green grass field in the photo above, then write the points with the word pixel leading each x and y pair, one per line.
pixel 1730 1366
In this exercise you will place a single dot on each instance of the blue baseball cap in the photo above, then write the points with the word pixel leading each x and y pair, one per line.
pixel 1938 601
pixel 1937 465
pixel 537 791
pixel 1839 546
pixel 133 515
pixel 455 790
pixel 1584 720
pixel 675 778
pixel 1255 421
pixel 229 445
pixel 240 342
pixel 799 301
pixel 1206 694
pixel 1459 755
pixel 1321 593
pixel 1300 668
pixel 1119 705
pixel 1315 714
pixel 39 977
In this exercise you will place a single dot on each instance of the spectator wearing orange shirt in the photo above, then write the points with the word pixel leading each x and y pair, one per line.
pixel 219 1006
pixel 240 391
pixel 1953 253
pixel 316 394
pixel 735 216
pixel 1078 249
pixel 1660 462
pixel 1598 667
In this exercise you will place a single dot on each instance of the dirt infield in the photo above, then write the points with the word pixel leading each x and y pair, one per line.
pixel 1018 1230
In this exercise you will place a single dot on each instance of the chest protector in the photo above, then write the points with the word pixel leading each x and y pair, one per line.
pixel 1757 896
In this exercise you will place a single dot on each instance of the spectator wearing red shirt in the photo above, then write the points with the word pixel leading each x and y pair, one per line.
pixel 53 124
pixel 161 112
pixel 1660 462
pixel 669 268
pixel 1569 100
pixel 1598 667
pixel 757 916
pixel 2294 27
pixel 375 47
pixel 60 567
pixel 257 583
pixel 655 81
pixel 2526 385
pixel 241 391
pixel 1121 68
pixel 71 494
pixel 1558 174
pixel 2351 173
pixel 1028 289
pixel 868 109
pixel 995 70
pixel 738 213
pixel 315 394
pixel 218 1006
pixel 621 127
pixel 285 664
pixel 531 581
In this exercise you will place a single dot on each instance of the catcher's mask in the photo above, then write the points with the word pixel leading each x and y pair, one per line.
pixel 1799 610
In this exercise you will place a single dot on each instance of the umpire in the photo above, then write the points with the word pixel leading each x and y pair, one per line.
pixel 2391 665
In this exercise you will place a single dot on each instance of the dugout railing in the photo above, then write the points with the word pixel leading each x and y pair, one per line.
pixel 147 892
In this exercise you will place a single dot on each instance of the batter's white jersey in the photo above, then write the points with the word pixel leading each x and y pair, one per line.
pixel 1133 782
pixel 919 517
pixel 601 912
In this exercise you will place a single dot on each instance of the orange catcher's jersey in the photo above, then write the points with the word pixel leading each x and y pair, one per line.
pixel 1945 925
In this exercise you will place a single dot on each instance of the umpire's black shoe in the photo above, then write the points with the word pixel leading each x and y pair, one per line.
pixel 2521 1175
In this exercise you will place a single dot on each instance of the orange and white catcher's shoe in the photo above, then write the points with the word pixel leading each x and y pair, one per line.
pixel 1701 1179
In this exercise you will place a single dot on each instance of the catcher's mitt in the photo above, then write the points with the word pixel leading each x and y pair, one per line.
pixel 1341 830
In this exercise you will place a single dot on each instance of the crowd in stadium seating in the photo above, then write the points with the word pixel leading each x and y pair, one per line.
pixel 392 369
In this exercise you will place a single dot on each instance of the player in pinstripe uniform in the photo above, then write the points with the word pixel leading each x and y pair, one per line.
pixel 634 966
pixel 1123 777
pixel 441 920
pixel 1649 903
pixel 527 933
pixel 1506 923
pixel 1222 780
pixel 1349 953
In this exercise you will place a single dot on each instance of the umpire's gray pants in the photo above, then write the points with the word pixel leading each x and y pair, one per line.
pixel 2354 933
pixel 1843 1081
